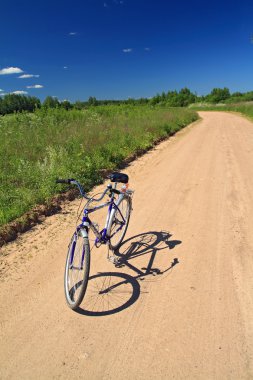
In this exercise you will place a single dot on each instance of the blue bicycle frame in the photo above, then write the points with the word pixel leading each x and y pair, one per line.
pixel 102 237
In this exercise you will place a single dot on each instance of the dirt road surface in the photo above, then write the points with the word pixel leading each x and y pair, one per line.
pixel 182 304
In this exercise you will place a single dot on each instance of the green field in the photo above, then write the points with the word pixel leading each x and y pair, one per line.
pixel 245 108
pixel 38 147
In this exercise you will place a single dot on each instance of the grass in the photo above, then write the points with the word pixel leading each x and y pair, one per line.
pixel 245 108
pixel 37 148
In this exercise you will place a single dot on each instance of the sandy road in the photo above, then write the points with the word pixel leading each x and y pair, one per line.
pixel 183 306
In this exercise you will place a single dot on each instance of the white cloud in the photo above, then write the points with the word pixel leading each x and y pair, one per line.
pixel 24 76
pixel 65 67
pixel 127 50
pixel 20 92
pixel 35 86
pixel 11 70
pixel 1 90
pixel 147 49
pixel 72 33
pixel 3 94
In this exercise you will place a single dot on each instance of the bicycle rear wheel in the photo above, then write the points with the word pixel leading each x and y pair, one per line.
pixel 120 223
pixel 77 270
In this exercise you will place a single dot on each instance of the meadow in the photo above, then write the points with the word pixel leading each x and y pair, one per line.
pixel 245 108
pixel 36 148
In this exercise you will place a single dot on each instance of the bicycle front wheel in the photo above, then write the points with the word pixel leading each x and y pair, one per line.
pixel 77 270
pixel 120 223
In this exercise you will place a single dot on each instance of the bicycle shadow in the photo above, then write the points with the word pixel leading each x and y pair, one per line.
pixel 112 292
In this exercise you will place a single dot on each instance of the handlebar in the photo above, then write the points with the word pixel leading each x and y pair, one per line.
pixel 72 181
pixel 66 181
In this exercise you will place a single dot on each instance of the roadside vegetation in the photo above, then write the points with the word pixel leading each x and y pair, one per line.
pixel 38 147
pixel 13 103
pixel 41 141
pixel 243 108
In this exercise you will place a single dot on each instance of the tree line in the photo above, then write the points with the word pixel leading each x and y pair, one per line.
pixel 185 97
pixel 17 103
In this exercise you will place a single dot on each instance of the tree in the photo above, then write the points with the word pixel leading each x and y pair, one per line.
pixel 79 105
pixel 237 94
pixel 92 101
pixel 18 103
pixel 163 97
pixel 155 100
pixel 186 97
pixel 218 95
pixel 51 102
pixel 66 105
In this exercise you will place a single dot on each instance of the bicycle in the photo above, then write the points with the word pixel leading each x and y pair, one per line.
pixel 78 257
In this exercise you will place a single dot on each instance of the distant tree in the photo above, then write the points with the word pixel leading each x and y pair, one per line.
pixel 18 103
pixel 142 101
pixel 66 105
pixel 186 97
pixel 92 101
pixel 79 105
pixel 237 94
pixel 163 97
pixel 33 103
pixel 171 98
pixel 248 96
pixel 155 100
pixel 51 102
pixel 218 95
pixel 130 101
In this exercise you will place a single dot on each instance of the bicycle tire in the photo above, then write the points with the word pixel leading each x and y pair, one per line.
pixel 115 244
pixel 78 253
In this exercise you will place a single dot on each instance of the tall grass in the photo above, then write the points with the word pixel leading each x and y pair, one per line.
pixel 37 148
pixel 245 108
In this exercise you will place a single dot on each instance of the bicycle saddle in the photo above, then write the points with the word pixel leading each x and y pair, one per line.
pixel 118 177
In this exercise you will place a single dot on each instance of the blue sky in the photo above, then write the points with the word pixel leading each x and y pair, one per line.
pixel 115 49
